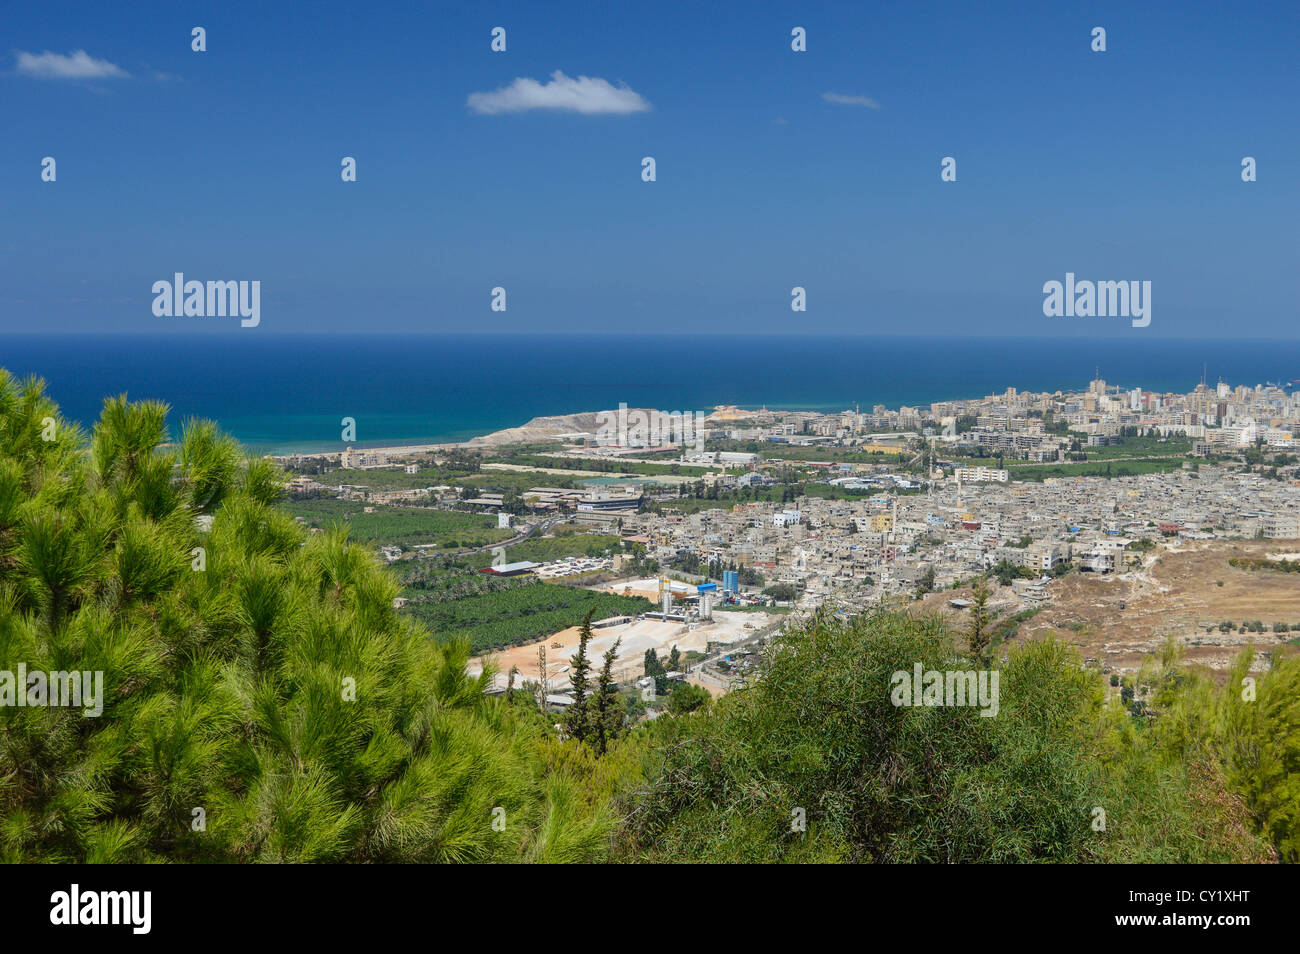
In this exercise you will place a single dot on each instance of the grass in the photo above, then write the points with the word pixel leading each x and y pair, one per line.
pixel 545 549
pixel 403 526
pixel 500 481
pixel 1130 468
pixel 1142 447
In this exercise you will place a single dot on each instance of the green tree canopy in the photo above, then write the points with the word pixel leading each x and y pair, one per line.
pixel 818 737
pixel 262 700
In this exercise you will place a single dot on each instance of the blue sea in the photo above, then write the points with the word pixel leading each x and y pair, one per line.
pixel 286 393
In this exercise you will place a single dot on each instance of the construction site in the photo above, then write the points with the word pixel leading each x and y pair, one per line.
pixel 685 618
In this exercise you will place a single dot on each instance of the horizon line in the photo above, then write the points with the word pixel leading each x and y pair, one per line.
pixel 399 333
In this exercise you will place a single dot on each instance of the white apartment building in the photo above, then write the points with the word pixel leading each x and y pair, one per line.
pixel 973 475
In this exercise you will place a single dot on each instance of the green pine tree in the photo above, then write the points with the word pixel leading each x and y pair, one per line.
pixel 979 635
pixel 252 695
pixel 607 709
pixel 654 668
pixel 576 720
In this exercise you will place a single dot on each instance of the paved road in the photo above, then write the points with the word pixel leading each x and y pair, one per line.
pixel 542 527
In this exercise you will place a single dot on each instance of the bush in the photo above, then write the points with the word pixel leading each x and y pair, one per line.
pixel 916 784
pixel 687 697
pixel 817 738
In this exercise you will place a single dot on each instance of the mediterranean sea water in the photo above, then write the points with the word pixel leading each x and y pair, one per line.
pixel 285 393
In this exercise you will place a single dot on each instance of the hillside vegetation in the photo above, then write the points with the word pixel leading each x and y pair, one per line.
pixel 270 706
pixel 1058 775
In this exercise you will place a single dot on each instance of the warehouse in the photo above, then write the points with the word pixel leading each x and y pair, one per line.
pixel 522 568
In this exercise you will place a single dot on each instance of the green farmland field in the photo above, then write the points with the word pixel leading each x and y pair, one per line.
pixel 519 615
pixel 403 526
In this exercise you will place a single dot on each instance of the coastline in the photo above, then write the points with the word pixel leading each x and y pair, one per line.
pixel 282 395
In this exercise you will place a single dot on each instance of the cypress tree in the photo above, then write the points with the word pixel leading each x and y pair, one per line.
pixel 576 719
pixel 978 636
pixel 654 668
pixel 607 713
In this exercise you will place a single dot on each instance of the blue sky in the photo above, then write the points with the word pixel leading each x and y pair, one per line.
pixel 225 165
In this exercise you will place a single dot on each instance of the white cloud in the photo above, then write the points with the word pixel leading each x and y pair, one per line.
pixel 586 94
pixel 78 65
pixel 851 100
